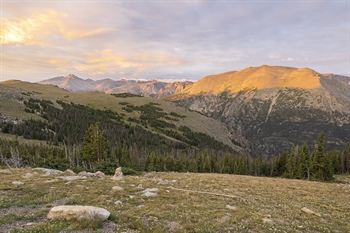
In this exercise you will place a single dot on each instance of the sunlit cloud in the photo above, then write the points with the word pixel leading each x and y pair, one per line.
pixel 172 39
pixel 41 28
pixel 30 30
pixel 110 62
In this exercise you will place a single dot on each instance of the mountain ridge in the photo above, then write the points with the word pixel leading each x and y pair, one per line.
pixel 274 107
pixel 151 88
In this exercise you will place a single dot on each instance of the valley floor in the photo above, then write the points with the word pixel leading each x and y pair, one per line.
pixel 180 202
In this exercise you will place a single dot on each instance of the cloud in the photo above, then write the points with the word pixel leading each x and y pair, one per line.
pixel 43 28
pixel 111 62
pixel 178 39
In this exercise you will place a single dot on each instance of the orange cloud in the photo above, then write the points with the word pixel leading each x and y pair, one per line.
pixel 30 30
pixel 38 28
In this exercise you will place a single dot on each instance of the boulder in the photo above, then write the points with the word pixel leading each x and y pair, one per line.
pixel 49 172
pixel 118 175
pixel 29 175
pixel 71 212
pixel 87 174
pixel 5 171
pixel 308 211
pixel 150 192
pixel 69 172
pixel 117 188
pixel 17 182
pixel 267 221
pixel 230 207
pixel 70 178
pixel 118 203
pixel 100 174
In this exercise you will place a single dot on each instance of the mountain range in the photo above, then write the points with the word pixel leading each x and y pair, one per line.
pixel 152 88
pixel 261 110
pixel 274 107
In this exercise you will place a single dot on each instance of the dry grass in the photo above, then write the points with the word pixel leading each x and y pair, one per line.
pixel 185 202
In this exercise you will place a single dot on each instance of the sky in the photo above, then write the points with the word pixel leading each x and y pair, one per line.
pixel 170 40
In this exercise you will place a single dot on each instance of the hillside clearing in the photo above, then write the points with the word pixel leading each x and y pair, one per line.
pixel 184 202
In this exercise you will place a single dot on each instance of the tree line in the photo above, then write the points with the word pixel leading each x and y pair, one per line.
pixel 82 138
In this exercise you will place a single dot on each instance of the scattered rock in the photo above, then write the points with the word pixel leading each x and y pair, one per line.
pixel 69 212
pixel 70 178
pixel 29 175
pixel 49 172
pixel 5 171
pixel 174 226
pixel 346 187
pixel 267 221
pixel 230 207
pixel 140 206
pixel 117 188
pixel 100 174
pixel 308 211
pixel 118 175
pixel 150 192
pixel 140 186
pixel 69 172
pixel 118 203
pixel 51 181
pixel 223 219
pixel 17 183
pixel 86 174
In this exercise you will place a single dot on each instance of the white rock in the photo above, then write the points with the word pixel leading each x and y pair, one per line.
pixel 230 207
pixel 118 175
pixel 118 203
pixel 49 172
pixel 308 211
pixel 5 171
pixel 140 206
pixel 51 181
pixel 17 183
pixel 87 174
pixel 70 178
pixel 150 190
pixel 69 212
pixel 69 172
pixel 149 194
pixel 117 188
pixel 100 174
pixel 267 221
pixel 28 175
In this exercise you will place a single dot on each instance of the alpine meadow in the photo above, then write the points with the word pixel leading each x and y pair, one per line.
pixel 175 116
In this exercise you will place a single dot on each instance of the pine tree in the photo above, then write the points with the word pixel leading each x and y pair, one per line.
pixel 321 165
pixel 291 164
pixel 303 171
pixel 95 146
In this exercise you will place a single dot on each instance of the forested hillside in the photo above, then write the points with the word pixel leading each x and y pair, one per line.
pixel 139 136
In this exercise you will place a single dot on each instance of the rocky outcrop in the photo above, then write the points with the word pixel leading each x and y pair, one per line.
pixel 70 212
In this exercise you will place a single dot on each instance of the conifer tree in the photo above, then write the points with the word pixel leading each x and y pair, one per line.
pixel 95 146
pixel 303 171
pixel 321 167
pixel 291 164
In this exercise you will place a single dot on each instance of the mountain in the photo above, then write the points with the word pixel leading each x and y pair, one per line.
pixel 274 107
pixel 164 117
pixel 153 88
